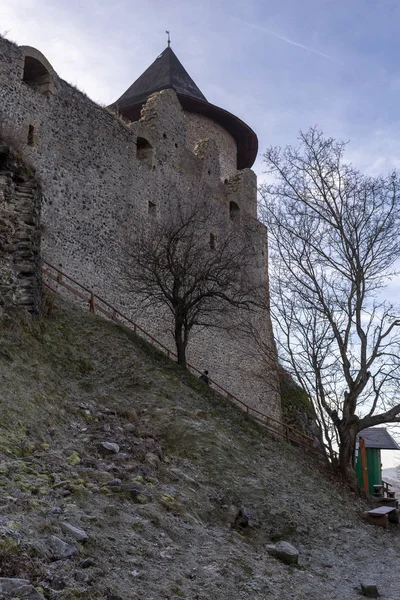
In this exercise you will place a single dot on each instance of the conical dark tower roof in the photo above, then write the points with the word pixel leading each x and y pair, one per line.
pixel 166 72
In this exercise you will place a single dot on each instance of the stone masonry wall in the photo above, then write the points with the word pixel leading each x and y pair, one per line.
pixel 200 128
pixel 20 265
pixel 98 190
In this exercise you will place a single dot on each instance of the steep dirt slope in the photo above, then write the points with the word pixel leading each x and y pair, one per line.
pixel 158 513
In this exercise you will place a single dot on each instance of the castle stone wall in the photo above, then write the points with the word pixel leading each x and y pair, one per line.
pixel 200 128
pixel 98 191
pixel 20 264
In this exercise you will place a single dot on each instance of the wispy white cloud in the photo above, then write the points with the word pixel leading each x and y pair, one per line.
pixel 72 48
pixel 285 39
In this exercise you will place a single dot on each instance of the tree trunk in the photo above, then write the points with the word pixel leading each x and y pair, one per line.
pixel 180 344
pixel 348 436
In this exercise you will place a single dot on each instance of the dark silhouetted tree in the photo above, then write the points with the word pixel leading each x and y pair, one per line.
pixel 187 265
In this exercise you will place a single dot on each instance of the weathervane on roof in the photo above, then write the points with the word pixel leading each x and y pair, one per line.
pixel 169 39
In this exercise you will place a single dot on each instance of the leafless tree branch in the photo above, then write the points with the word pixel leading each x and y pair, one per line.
pixel 334 237
pixel 175 264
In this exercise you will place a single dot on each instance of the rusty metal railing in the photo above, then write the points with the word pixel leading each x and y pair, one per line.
pixel 98 304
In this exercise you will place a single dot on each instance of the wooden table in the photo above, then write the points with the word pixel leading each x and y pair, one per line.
pixel 380 516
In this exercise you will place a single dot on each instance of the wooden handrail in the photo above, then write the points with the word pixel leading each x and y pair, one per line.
pixel 386 485
pixel 97 304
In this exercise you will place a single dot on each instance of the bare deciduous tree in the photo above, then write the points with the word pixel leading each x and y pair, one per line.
pixel 181 265
pixel 334 236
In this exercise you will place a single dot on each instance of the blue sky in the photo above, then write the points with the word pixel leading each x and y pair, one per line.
pixel 279 65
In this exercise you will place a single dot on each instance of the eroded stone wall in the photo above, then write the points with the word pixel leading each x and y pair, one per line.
pixel 200 128
pixel 98 191
pixel 20 265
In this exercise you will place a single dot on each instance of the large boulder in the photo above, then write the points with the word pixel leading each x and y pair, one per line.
pixel 79 534
pixel 19 588
pixel 58 549
pixel 284 552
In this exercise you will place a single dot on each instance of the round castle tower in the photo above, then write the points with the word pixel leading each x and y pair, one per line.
pixel 236 142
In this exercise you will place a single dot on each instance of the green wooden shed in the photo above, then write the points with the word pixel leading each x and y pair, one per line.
pixel 376 439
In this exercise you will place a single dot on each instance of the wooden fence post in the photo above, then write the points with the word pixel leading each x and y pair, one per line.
pixel 363 453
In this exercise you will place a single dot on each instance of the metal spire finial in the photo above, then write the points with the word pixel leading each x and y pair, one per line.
pixel 169 39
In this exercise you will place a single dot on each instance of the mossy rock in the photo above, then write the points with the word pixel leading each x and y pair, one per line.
pixel 74 459
pixel 167 498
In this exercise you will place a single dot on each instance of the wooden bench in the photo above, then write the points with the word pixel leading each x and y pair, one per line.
pixel 381 515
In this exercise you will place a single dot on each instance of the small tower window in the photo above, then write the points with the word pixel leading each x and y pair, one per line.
pixel 151 209
pixel 234 210
pixel 144 151
pixel 213 241
pixel 31 135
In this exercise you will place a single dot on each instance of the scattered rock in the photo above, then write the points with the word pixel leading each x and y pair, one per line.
pixel 134 492
pixel 121 457
pixel 132 416
pixel 87 563
pixel 108 411
pixel 82 577
pixel 369 590
pixel 78 534
pixel 102 467
pixel 131 489
pixel 152 459
pixel 135 573
pixel 8 584
pixel 113 482
pixel 107 427
pixel 28 591
pixel 242 519
pixel 59 549
pixel 58 584
pixel 130 427
pixel 113 596
pixel 287 553
pixel 110 447
pixel 19 588
pixel 271 549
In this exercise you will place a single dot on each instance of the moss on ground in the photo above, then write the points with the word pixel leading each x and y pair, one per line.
pixel 188 461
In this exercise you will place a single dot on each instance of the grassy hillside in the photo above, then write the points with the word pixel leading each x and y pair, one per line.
pixel 159 513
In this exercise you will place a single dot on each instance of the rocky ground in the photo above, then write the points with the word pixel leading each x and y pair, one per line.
pixel 122 477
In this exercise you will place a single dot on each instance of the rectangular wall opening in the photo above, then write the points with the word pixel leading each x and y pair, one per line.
pixel 31 135
pixel 152 209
